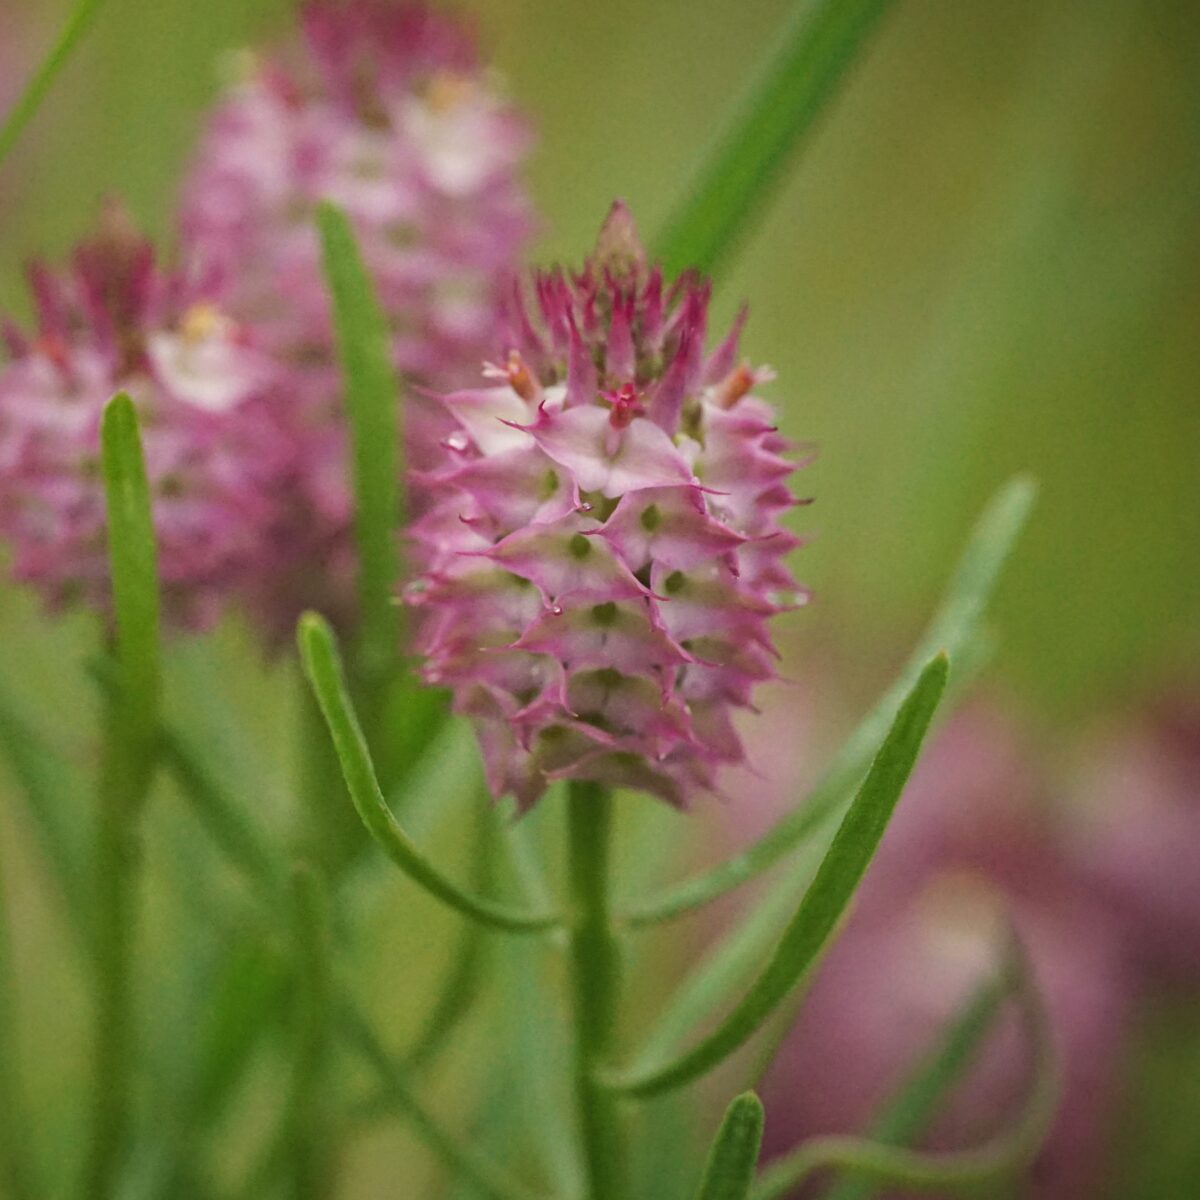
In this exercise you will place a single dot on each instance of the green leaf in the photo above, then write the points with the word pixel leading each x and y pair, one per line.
pixel 226 820
pixel 780 108
pixel 490 1180
pixel 729 1172
pixel 323 667
pixel 824 902
pixel 461 983
pixel 16 1156
pixel 997 1162
pixel 131 728
pixel 133 564
pixel 372 394
pixel 30 100
pixel 51 792
pixel 310 1125
pixel 914 1105
pixel 954 628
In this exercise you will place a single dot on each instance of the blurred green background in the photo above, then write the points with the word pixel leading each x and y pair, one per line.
pixel 986 261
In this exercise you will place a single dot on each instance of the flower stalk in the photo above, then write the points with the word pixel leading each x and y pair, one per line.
pixel 595 984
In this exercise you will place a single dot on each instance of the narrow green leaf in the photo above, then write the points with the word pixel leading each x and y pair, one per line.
pixel 954 627
pixel 492 1182
pixel 51 793
pixel 999 1161
pixel 733 961
pixel 460 986
pixel 16 1156
pixel 310 1125
pixel 372 394
pixel 30 100
pixel 780 108
pixel 909 1112
pixel 133 563
pixel 226 820
pixel 323 667
pixel 824 902
pixel 130 733
pixel 733 1158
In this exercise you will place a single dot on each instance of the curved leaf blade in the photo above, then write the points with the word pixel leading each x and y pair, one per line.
pixel 324 670
pixel 781 107
pixel 953 628
pixel 824 902
pixel 994 1163
pixel 729 1172
pixel 30 100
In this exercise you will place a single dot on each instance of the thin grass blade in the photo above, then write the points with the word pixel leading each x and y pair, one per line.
pixel 912 1108
pixel 21 113
pixel 996 1163
pixel 824 902
pixel 372 408
pixel 954 628
pixel 729 1172
pixel 825 40
pixel 323 667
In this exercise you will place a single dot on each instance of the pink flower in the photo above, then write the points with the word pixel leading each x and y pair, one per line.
pixel 386 111
pixel 1134 831
pixel 970 848
pixel 116 321
pixel 602 552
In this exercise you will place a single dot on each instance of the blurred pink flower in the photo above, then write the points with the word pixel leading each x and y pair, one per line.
pixel 117 321
pixel 603 551
pixel 1134 831
pixel 970 842
pixel 387 111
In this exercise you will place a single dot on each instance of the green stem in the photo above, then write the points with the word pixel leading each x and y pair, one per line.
pixel 312 1148
pixel 330 833
pixel 125 772
pixel 595 980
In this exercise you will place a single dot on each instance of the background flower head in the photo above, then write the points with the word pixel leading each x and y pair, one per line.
pixel 386 110
pixel 116 320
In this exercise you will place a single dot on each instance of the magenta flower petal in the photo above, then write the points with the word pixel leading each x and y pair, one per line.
pixel 585 583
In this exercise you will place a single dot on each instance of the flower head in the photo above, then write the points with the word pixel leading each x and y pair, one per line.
pixel 117 321
pixel 603 551
pixel 386 111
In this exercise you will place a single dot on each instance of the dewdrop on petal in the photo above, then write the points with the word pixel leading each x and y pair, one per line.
pixel 601 563
pixel 116 321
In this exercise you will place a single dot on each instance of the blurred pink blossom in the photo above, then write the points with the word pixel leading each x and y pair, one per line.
pixel 970 848
pixel 386 110
pixel 1134 831
pixel 116 320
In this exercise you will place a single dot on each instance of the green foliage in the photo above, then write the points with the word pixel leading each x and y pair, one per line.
pixel 324 670
pixel 997 1162
pixel 372 409
pixel 729 1172
pixel 731 187
pixel 133 566
pixel 824 902
pixel 910 1110
pixel 954 628
pixel 30 100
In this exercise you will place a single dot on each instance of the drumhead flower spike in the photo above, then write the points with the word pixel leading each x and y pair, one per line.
pixel 118 321
pixel 386 111
pixel 603 550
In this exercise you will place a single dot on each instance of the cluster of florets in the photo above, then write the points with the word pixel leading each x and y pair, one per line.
pixel 603 551
pixel 116 321
pixel 386 112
